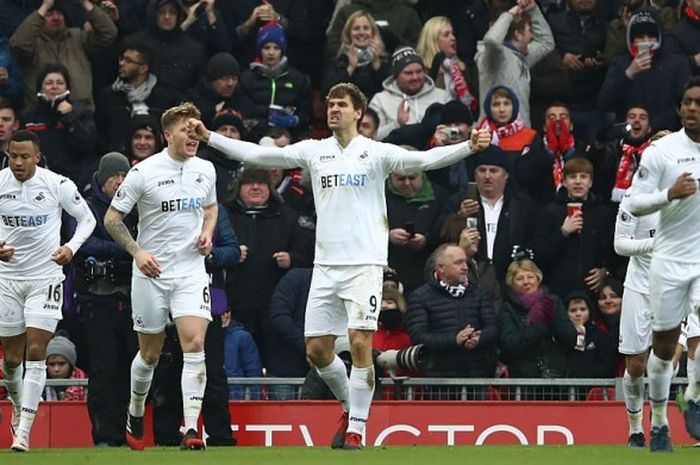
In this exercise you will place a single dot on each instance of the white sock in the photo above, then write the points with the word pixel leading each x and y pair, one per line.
pixel 34 381
pixel 660 372
pixel 13 382
pixel 633 390
pixel 194 381
pixel 141 377
pixel 692 391
pixel 361 392
pixel 336 377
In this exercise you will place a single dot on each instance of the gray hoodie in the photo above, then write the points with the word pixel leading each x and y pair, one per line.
pixel 386 104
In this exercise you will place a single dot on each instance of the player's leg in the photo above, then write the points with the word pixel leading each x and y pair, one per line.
pixel 692 392
pixel 190 306
pixel 12 337
pixel 325 320
pixel 363 296
pixel 635 340
pixel 150 314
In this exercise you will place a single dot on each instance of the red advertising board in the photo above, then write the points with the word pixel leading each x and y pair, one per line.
pixel 297 423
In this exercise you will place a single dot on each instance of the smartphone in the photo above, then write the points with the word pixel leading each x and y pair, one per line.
pixel 410 228
pixel 644 47
pixel 472 191
pixel 472 222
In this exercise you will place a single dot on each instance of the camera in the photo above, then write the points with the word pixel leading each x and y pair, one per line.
pixel 113 272
pixel 413 358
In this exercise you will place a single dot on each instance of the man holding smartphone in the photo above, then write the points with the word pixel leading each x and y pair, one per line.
pixel 648 76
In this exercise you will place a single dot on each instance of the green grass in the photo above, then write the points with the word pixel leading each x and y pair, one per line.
pixel 406 455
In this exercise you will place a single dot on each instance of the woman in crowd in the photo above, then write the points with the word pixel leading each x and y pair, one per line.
pixel 361 58
pixel 437 46
pixel 535 332
pixel 65 128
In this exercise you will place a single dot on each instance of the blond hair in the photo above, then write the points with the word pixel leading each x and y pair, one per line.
pixel 173 115
pixel 522 265
pixel 427 46
pixel 346 40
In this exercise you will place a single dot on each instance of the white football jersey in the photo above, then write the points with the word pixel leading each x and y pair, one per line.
pixel 348 186
pixel 678 234
pixel 30 221
pixel 634 238
pixel 170 196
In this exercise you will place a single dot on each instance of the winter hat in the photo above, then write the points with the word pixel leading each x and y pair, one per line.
pixel 456 112
pixel 178 6
pixel 61 345
pixel 271 32
pixel 513 99
pixel 493 155
pixel 110 164
pixel 403 57
pixel 230 117
pixel 580 295
pixel 220 65
pixel 253 174
pixel 643 22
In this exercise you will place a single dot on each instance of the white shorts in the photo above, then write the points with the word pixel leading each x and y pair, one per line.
pixel 33 303
pixel 689 329
pixel 155 301
pixel 343 297
pixel 674 291
pixel 635 323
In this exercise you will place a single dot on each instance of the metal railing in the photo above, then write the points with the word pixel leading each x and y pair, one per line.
pixel 566 389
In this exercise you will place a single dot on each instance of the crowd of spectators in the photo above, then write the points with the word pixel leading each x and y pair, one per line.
pixel 571 91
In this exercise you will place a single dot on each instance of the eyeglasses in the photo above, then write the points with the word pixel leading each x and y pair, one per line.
pixel 130 61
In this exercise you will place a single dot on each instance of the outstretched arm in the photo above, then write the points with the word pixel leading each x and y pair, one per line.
pixel 440 157
pixel 242 151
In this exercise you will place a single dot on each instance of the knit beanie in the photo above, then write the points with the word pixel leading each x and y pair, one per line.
pixel 110 164
pixel 271 32
pixel 220 65
pixel 643 22
pixel 493 155
pixel 454 112
pixel 61 345
pixel 227 116
pixel 403 57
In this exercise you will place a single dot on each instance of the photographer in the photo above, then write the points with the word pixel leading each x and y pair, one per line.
pixel 455 319
pixel 102 283
pixel 617 152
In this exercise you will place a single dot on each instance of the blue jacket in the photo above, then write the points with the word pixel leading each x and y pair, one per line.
pixel 241 359
pixel 12 89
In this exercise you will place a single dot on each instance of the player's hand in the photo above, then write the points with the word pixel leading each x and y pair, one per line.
pixel 63 255
pixel 204 244
pixel 244 253
pixel 595 278
pixel 6 252
pixel 197 131
pixel 480 139
pixel 283 259
pixel 572 224
pixel 685 186
pixel 147 263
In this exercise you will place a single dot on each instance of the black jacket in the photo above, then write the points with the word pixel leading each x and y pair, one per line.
pixel 204 97
pixel 536 350
pixel 684 39
pixel 365 77
pixel 566 261
pixel 67 141
pixel 113 113
pixel 598 360
pixel 659 89
pixel 434 318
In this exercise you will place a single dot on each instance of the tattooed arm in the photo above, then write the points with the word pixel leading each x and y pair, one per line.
pixel 114 224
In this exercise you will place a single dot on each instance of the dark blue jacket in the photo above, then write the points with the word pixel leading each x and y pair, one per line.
pixel 241 359
pixel 285 325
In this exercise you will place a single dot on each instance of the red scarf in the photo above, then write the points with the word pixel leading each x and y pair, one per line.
pixel 692 15
pixel 629 161
pixel 505 130
pixel 558 145
pixel 461 87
